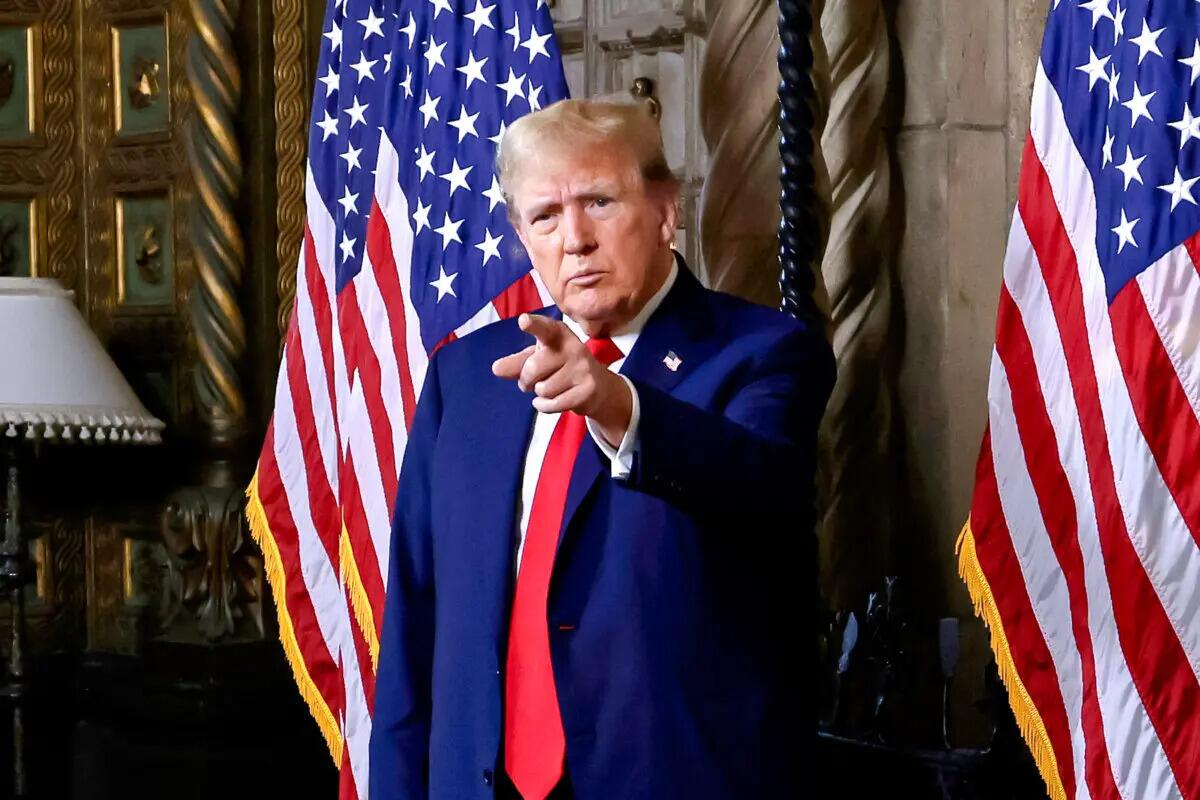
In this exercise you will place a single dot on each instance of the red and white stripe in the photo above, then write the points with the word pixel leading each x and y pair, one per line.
pixel 1086 515
pixel 352 370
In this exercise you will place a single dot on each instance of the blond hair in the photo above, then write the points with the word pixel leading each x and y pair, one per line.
pixel 580 123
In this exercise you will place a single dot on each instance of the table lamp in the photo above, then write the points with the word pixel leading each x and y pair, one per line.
pixel 57 385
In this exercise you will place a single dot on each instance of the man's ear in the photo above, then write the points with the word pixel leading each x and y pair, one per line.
pixel 669 200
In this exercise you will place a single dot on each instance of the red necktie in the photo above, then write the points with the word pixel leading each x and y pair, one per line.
pixel 534 745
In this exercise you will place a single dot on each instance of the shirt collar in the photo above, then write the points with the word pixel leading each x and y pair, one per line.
pixel 625 339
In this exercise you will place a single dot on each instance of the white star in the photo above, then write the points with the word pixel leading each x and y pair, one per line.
pixel 494 194
pixel 347 247
pixel 489 246
pixel 536 44
pixel 1119 23
pixel 449 232
pixel 334 35
pixel 1099 9
pixel 433 53
pixel 1188 126
pixel 364 67
pixel 1139 105
pixel 535 94
pixel 1193 61
pixel 410 30
pixel 499 134
pixel 1179 189
pixel 351 156
pixel 349 203
pixel 1131 169
pixel 515 31
pixel 372 25
pixel 472 69
pixel 439 6
pixel 444 284
pixel 429 108
pixel 457 177
pixel 406 84
pixel 425 162
pixel 387 63
pixel 1124 232
pixel 357 113
pixel 1147 41
pixel 481 17
pixel 421 216
pixel 465 124
pixel 328 126
pixel 1109 139
pixel 512 86
pixel 1094 69
pixel 1114 78
pixel 330 80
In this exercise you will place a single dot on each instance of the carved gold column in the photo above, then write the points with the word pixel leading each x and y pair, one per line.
pixel 216 170
pixel 858 274
pixel 739 115
pixel 203 526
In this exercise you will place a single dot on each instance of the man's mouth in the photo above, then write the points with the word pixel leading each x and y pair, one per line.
pixel 585 278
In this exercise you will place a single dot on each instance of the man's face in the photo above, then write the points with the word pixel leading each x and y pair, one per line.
pixel 597 235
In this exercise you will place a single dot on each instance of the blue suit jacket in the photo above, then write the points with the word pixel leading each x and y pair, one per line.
pixel 681 602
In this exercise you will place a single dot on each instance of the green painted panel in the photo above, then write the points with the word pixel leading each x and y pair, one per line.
pixel 146 251
pixel 16 121
pixel 143 102
pixel 17 248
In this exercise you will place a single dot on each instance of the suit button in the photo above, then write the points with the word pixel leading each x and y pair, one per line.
pixel 487 777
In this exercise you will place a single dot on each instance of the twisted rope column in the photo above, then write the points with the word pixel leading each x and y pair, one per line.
pixel 216 171
pixel 858 273
pixel 800 233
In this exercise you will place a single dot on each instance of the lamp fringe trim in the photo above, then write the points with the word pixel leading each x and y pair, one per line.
pixel 364 615
pixel 1029 719
pixel 261 531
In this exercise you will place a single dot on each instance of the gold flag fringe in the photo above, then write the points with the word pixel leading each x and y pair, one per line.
pixel 364 615
pixel 317 706
pixel 1029 720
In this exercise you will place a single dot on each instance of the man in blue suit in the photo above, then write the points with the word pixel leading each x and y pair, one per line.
pixel 605 590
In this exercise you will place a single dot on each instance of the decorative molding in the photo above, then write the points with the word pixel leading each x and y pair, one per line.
pixel 858 272
pixel 291 117
pixel 217 567
pixel 218 327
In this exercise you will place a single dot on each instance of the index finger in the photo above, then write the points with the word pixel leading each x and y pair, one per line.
pixel 548 331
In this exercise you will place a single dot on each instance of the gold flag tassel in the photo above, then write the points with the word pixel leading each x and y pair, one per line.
pixel 1029 720
pixel 364 615
pixel 320 711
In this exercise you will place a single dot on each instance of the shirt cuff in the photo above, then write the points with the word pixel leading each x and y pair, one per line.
pixel 621 457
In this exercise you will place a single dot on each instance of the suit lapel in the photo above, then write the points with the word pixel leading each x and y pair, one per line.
pixel 678 332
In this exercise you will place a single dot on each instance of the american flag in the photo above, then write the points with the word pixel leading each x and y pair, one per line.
pixel 1082 551
pixel 407 246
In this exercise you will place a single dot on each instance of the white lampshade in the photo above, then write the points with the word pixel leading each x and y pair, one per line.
pixel 56 379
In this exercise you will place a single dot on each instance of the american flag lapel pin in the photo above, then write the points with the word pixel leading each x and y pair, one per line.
pixel 672 361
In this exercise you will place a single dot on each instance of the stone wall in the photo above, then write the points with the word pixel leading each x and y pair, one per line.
pixel 967 68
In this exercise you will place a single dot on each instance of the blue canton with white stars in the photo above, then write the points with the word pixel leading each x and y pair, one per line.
pixel 1126 72
pixel 441 79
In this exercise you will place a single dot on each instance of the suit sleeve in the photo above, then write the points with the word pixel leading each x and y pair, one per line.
pixel 756 457
pixel 399 746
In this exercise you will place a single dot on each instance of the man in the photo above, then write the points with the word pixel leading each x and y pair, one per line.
pixel 601 564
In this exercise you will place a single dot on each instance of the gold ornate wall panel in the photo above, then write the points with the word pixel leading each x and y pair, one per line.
pixel 292 98
pixel 39 187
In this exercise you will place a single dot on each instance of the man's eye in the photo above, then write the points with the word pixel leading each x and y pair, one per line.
pixel 601 202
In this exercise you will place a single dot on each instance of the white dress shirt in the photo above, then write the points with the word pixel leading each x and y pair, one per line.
pixel 620 457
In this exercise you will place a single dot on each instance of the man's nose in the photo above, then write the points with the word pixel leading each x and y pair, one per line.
pixel 578 234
